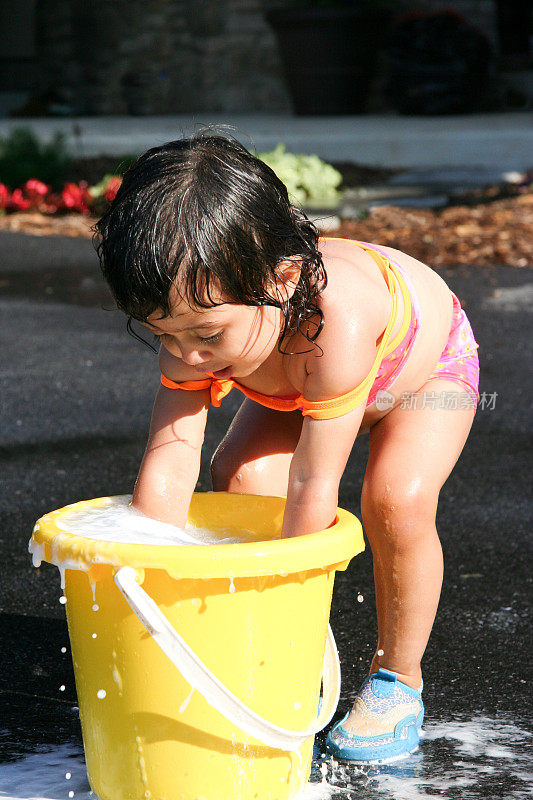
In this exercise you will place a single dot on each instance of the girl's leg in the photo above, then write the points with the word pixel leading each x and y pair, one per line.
pixel 411 454
pixel 255 454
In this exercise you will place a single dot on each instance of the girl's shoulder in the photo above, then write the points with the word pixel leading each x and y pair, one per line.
pixel 350 269
pixel 356 299
pixel 356 306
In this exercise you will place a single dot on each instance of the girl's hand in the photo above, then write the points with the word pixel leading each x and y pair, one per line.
pixel 171 463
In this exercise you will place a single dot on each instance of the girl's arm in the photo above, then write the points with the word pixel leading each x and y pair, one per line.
pixel 316 469
pixel 324 446
pixel 171 463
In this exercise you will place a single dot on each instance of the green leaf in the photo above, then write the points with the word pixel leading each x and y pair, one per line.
pixel 306 177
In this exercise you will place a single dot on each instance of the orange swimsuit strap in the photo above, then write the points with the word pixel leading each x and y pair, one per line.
pixel 337 406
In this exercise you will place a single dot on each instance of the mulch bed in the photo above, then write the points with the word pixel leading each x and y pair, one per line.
pixel 498 233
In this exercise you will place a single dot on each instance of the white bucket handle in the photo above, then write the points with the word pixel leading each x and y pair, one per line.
pixel 211 688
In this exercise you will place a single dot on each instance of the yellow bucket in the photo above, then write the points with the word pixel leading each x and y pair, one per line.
pixel 202 683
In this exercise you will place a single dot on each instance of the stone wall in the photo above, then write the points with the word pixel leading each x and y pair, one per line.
pixel 159 56
pixel 168 56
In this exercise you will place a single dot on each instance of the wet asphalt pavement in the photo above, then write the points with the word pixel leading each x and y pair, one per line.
pixel 76 400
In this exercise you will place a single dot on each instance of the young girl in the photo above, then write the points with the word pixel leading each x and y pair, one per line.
pixel 327 339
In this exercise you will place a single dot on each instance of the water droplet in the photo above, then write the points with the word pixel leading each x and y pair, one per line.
pixel 117 678
pixel 297 706
pixel 96 607
pixel 186 701
pixel 62 570
pixel 94 635
pixel 68 776
pixel 71 794
pixel 63 649
pixel 380 652
pixel 62 687
pixel 360 598
pixel 101 693
pixel 62 599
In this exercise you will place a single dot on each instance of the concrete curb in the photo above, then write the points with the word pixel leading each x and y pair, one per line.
pixel 502 141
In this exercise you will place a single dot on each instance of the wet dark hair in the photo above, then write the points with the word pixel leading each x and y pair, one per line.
pixel 204 214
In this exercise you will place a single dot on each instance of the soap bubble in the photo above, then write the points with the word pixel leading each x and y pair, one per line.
pixel 101 693
pixel 62 599
pixel 62 687
pixel 360 598
pixel 117 521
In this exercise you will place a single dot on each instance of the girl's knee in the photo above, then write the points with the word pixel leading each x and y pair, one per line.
pixel 226 474
pixel 231 474
pixel 397 514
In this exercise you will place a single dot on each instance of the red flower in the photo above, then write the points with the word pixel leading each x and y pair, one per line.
pixel 5 197
pixel 76 197
pixel 18 201
pixel 35 188
pixel 112 188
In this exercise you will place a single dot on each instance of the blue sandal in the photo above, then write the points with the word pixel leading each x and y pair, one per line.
pixel 381 699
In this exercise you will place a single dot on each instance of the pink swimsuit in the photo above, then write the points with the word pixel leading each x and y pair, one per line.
pixel 458 361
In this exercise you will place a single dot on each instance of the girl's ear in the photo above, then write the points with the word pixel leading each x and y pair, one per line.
pixel 287 277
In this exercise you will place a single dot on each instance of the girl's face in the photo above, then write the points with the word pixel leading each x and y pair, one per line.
pixel 228 340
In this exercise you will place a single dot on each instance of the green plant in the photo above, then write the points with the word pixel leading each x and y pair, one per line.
pixel 306 177
pixel 22 157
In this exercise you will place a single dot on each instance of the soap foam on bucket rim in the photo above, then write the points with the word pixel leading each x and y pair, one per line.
pixel 117 521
